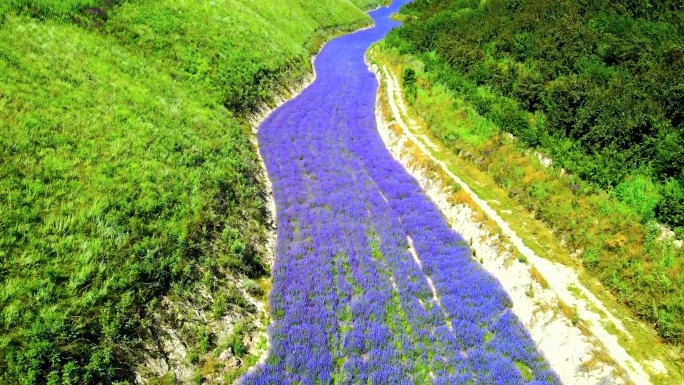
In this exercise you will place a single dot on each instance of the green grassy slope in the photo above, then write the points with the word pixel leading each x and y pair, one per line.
pixel 126 169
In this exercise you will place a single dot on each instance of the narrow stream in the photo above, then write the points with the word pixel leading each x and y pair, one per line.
pixel 370 285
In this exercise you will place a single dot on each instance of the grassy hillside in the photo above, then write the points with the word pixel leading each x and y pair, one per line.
pixel 126 167
pixel 370 4
pixel 596 86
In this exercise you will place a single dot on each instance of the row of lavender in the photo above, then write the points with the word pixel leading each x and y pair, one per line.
pixel 370 286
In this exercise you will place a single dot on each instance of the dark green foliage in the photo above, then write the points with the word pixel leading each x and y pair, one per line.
pixel 597 85
pixel 607 75
pixel 671 206
pixel 51 8
pixel 511 118
pixel 409 83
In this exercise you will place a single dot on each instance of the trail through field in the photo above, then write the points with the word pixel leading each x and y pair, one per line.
pixel 370 285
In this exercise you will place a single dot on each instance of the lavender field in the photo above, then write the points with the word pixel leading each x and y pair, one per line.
pixel 370 285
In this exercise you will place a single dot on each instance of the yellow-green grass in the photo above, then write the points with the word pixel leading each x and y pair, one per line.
pixel 127 171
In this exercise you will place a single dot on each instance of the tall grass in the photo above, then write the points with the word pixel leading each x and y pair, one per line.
pixel 50 8
pixel 126 168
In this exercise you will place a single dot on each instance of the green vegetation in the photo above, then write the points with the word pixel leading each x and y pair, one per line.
pixel 370 4
pixel 605 80
pixel 126 167
pixel 595 85
pixel 438 114
pixel 49 8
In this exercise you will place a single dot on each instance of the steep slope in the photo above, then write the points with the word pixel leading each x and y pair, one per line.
pixel 131 192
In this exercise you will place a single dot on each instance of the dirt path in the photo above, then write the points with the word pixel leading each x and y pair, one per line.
pixel 571 352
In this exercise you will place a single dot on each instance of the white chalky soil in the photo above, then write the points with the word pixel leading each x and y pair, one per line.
pixel 564 345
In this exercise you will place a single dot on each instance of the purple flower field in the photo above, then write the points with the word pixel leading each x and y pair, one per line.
pixel 370 285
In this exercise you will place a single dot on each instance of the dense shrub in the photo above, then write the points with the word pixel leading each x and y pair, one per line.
pixel 409 83
pixel 606 75
pixel 51 8
pixel 671 205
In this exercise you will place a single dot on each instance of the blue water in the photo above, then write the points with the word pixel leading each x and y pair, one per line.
pixel 349 303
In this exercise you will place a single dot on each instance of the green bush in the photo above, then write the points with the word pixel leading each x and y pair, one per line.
pixel 508 115
pixel 591 257
pixel 641 194
pixel 670 208
pixel 409 84
pixel 600 76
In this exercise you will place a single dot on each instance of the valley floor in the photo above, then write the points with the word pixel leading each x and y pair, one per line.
pixel 369 282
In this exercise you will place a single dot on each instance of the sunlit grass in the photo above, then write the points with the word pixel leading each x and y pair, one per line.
pixel 126 167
